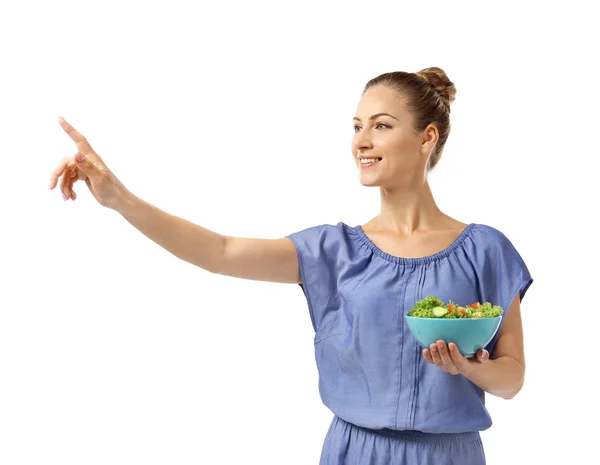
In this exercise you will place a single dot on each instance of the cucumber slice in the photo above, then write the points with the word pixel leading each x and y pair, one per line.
pixel 439 311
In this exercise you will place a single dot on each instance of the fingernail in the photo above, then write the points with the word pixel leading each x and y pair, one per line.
pixel 451 347
pixel 64 197
pixel 441 345
pixel 79 157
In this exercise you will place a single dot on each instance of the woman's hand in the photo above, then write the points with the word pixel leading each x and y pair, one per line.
pixel 450 360
pixel 86 165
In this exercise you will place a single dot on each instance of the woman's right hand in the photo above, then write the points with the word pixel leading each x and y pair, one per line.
pixel 86 165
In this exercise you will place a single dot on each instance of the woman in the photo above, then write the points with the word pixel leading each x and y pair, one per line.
pixel 394 403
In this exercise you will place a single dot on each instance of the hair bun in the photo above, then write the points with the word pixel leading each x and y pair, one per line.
pixel 438 80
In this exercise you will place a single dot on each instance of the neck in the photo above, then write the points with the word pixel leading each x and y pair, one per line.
pixel 409 209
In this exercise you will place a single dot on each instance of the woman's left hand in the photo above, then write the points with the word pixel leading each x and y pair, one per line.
pixel 450 360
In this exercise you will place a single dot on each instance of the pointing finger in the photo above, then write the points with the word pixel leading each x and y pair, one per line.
pixel 80 141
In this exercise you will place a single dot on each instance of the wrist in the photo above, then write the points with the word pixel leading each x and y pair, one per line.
pixel 126 202
pixel 475 369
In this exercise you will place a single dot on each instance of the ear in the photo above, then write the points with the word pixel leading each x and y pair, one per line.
pixel 429 138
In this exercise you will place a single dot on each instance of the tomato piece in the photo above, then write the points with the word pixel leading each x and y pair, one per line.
pixel 475 305
pixel 450 308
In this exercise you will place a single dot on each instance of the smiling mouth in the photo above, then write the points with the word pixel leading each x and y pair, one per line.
pixel 364 162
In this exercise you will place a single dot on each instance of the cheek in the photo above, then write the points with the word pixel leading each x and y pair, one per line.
pixel 404 149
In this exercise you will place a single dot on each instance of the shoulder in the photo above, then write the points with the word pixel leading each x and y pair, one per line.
pixel 324 240
pixel 487 231
pixel 322 249
pixel 484 234
pixel 505 272
pixel 325 231
pixel 494 243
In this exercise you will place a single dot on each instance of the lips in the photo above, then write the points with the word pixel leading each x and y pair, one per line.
pixel 367 160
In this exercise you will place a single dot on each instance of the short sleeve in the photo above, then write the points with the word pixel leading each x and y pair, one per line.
pixel 512 273
pixel 505 274
pixel 318 250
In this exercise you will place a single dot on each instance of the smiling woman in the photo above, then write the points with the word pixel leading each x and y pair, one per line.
pixel 413 104
pixel 393 404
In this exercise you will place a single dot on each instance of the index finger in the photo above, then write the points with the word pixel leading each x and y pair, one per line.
pixel 80 141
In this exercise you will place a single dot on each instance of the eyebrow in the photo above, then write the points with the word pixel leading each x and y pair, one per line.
pixel 376 115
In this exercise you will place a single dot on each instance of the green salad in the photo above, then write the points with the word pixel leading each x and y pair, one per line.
pixel 432 307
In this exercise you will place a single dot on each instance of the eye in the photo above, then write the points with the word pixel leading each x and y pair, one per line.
pixel 386 126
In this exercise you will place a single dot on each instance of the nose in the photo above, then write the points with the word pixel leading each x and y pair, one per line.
pixel 362 141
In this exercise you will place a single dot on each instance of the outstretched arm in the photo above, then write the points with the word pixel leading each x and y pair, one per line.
pixel 257 259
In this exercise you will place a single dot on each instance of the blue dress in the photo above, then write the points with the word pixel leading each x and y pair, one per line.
pixel 390 406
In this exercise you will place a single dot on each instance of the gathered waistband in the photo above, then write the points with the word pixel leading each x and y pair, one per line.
pixel 420 436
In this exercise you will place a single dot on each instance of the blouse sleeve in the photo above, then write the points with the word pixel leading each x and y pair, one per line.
pixel 317 249
pixel 506 276
pixel 513 276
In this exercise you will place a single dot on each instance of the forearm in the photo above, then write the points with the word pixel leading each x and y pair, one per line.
pixel 187 241
pixel 502 377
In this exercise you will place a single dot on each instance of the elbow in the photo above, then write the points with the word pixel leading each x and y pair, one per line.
pixel 217 260
pixel 510 395
pixel 516 389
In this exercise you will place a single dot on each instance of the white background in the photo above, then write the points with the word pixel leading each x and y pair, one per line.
pixel 237 116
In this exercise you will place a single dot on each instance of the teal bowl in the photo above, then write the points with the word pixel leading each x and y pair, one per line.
pixel 469 334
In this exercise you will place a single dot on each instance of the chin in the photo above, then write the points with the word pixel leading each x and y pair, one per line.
pixel 370 182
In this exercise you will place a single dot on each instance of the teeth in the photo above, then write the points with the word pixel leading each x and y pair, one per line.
pixel 368 160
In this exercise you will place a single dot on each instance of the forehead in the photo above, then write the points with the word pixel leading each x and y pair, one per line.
pixel 381 99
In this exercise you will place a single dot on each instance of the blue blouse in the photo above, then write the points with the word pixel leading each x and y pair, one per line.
pixel 371 369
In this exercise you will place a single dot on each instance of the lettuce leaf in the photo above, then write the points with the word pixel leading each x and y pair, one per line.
pixel 423 308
